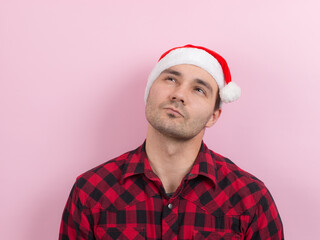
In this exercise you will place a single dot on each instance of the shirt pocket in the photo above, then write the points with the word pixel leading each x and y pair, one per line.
pixel 200 235
pixel 102 232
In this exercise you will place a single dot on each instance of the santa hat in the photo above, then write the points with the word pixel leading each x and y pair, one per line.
pixel 204 58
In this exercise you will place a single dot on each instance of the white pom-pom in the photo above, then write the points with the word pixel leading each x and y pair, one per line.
pixel 230 92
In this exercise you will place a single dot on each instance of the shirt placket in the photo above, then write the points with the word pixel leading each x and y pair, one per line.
pixel 170 212
pixel 170 215
pixel 170 224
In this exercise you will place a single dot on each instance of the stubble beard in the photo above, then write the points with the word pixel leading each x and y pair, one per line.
pixel 180 128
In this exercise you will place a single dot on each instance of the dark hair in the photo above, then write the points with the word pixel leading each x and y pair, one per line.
pixel 218 101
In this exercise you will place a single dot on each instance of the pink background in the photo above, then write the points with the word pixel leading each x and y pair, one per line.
pixel 71 97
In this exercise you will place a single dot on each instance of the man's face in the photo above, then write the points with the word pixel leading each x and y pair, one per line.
pixel 181 102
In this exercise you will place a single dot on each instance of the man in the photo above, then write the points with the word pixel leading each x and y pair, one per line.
pixel 173 186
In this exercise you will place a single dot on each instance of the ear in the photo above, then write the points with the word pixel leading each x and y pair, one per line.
pixel 214 117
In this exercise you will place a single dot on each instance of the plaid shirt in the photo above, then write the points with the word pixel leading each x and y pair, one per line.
pixel 124 199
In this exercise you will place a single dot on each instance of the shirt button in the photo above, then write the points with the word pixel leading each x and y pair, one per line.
pixel 170 206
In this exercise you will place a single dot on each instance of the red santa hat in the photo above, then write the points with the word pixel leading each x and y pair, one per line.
pixel 204 58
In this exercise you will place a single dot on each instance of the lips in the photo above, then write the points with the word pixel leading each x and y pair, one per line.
pixel 173 110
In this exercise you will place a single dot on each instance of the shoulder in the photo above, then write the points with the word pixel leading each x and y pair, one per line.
pixel 245 191
pixel 227 169
pixel 102 171
pixel 93 184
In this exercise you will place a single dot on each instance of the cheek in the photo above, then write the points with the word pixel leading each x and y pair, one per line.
pixel 157 93
pixel 203 110
pixel 152 93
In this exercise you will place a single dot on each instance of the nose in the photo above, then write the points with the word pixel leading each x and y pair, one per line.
pixel 178 95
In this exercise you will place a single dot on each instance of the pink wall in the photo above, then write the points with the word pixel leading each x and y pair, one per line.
pixel 72 78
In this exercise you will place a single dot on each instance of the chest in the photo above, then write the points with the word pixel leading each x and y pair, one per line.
pixel 158 218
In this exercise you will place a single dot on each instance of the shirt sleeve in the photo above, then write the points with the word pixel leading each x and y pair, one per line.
pixel 266 223
pixel 75 224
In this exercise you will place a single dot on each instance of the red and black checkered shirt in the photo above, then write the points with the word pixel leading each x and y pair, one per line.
pixel 124 199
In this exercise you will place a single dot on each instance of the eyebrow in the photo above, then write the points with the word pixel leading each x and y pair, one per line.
pixel 172 72
pixel 204 83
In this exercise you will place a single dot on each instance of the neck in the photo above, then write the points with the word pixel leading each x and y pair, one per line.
pixel 171 159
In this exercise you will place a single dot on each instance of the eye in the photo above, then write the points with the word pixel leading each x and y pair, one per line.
pixel 200 90
pixel 171 79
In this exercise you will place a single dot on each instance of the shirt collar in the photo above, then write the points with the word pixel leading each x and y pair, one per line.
pixel 137 163
pixel 204 165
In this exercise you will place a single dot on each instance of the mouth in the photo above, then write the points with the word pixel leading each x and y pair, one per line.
pixel 173 111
